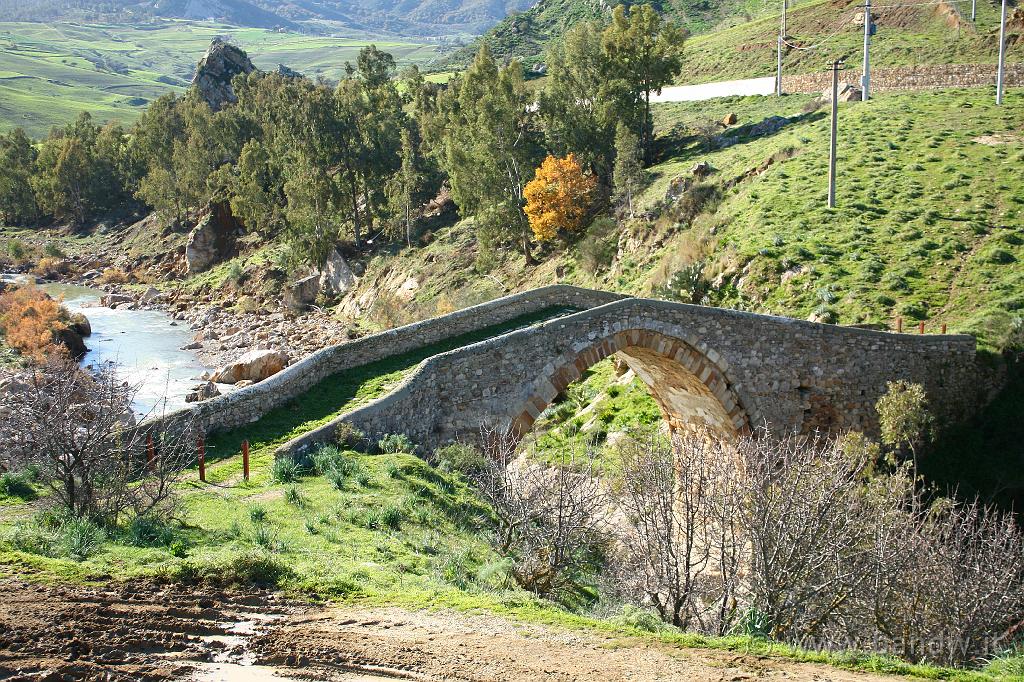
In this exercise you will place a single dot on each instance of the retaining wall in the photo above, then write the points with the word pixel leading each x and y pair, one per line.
pixel 921 77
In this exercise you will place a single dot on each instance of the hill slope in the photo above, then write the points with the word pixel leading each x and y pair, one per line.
pixel 415 17
pixel 737 38
pixel 50 72
pixel 524 35
pixel 926 33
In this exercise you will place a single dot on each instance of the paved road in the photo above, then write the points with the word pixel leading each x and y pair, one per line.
pixel 697 93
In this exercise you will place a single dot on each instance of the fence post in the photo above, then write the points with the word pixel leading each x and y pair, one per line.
pixel 943 328
pixel 245 460
pixel 920 327
pixel 899 325
pixel 150 452
pixel 202 459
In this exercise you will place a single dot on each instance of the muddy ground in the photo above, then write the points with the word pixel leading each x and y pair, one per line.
pixel 147 632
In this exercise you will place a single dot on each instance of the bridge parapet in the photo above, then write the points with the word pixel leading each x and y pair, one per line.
pixel 236 409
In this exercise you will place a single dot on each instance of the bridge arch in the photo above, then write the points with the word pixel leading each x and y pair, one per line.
pixel 690 382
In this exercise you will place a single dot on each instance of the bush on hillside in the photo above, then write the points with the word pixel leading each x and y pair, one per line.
pixel 91 464
pixel 285 470
pixel 395 443
pixel 17 484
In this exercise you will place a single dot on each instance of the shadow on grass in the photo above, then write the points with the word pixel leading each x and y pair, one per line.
pixel 984 457
pixel 346 390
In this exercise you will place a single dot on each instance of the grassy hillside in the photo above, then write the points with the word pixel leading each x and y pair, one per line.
pixel 50 72
pixel 929 224
pixel 737 38
pixel 925 34
pixel 525 34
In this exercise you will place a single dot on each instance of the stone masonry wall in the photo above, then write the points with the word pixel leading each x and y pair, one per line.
pixel 247 405
pixel 919 77
pixel 788 374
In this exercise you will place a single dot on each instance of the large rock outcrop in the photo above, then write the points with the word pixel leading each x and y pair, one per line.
pixel 256 365
pixel 213 239
pixel 337 277
pixel 219 65
pixel 300 293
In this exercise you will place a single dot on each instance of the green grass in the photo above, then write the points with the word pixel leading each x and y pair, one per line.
pixel 928 225
pixel 592 408
pixel 407 535
pixel 50 72
pixel 920 35
pixel 344 392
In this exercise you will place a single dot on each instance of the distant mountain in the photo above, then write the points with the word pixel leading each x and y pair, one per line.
pixel 399 17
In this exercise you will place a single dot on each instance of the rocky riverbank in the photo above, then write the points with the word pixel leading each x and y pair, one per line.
pixel 222 333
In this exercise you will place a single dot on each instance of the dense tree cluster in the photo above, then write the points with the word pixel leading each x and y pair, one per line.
pixel 311 163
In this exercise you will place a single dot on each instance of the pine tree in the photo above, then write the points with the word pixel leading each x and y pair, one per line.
pixel 628 173
pixel 647 53
pixel 17 157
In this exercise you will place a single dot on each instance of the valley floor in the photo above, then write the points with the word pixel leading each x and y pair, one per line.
pixel 143 631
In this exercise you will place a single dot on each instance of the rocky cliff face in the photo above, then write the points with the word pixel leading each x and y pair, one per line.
pixel 219 65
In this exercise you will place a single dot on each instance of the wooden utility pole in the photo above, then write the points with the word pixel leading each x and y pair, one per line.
pixel 202 459
pixel 245 460
pixel 836 65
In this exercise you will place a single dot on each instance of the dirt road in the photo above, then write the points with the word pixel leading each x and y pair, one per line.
pixel 148 633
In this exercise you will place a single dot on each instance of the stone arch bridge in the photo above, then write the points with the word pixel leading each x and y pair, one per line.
pixel 732 371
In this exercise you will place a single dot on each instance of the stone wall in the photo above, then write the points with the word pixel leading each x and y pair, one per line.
pixel 247 405
pixel 730 370
pixel 920 77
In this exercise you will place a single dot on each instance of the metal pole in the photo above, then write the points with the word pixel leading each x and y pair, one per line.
pixel 835 131
pixel 974 10
pixel 865 79
pixel 778 70
pixel 785 21
pixel 1002 54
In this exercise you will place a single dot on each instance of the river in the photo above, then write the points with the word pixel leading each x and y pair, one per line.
pixel 144 346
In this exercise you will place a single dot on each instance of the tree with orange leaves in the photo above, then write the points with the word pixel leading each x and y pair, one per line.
pixel 558 197
pixel 30 320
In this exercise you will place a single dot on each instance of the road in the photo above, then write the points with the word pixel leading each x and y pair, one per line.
pixel 697 93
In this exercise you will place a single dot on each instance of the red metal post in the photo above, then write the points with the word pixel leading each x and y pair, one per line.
pixel 920 327
pixel 899 325
pixel 150 452
pixel 245 460
pixel 202 459
pixel 943 327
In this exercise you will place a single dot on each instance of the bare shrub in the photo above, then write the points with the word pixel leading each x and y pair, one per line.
pixel 809 530
pixel 77 431
pixel 807 541
pixel 550 518
pixel 678 544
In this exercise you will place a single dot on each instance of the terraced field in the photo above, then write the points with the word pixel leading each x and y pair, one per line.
pixel 50 72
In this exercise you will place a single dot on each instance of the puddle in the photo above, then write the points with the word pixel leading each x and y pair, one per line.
pixel 239 672
pixel 232 661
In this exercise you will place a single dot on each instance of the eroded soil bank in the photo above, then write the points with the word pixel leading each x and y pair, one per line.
pixel 146 632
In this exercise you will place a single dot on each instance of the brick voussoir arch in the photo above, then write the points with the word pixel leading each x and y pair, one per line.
pixel 688 352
